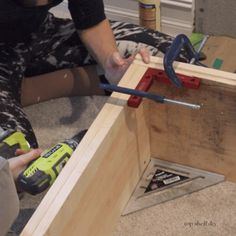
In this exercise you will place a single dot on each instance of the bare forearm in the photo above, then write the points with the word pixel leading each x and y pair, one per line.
pixel 100 41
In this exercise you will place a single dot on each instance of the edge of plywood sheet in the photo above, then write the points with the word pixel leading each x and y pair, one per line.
pixel 97 156
pixel 208 75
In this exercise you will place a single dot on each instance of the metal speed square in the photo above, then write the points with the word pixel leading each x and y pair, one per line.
pixel 164 181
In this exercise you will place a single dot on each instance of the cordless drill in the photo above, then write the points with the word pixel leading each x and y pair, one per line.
pixel 42 172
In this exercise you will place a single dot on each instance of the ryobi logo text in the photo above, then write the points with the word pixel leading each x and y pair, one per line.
pixel 54 149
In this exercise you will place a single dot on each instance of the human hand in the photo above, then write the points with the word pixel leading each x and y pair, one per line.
pixel 19 163
pixel 116 66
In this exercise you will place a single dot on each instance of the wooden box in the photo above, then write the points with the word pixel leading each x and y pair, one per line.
pixel 89 195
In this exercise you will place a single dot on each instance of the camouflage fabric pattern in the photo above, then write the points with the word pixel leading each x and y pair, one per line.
pixel 56 45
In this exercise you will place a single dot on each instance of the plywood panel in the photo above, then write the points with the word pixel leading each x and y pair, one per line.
pixel 223 48
pixel 202 138
pixel 93 188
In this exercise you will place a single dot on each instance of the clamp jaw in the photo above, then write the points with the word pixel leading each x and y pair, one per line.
pixel 180 44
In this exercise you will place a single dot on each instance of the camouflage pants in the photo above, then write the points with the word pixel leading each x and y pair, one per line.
pixel 56 45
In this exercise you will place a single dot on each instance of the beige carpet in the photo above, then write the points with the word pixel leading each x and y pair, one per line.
pixel 209 212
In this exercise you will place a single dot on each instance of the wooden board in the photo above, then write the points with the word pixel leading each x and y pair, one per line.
pixel 93 188
pixel 202 138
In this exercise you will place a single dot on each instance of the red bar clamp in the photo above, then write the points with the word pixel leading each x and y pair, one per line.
pixel 159 75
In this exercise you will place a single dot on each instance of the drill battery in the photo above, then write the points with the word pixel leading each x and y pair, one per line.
pixel 10 141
